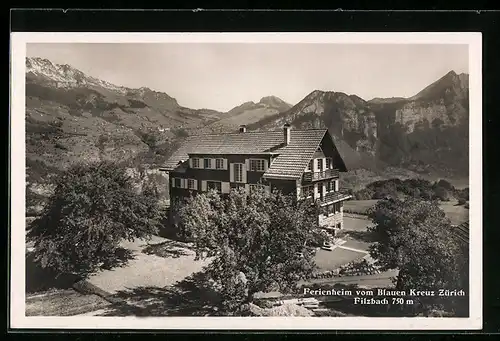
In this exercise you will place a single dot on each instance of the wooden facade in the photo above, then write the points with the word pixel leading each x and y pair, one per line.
pixel 319 180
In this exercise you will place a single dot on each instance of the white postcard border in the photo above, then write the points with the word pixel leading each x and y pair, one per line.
pixel 17 231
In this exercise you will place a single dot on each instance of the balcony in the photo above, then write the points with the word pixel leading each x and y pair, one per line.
pixel 316 176
pixel 333 197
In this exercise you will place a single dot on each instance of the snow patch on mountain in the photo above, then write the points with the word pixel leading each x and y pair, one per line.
pixel 66 76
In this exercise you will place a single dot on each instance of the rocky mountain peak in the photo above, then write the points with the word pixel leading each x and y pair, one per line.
pixel 449 85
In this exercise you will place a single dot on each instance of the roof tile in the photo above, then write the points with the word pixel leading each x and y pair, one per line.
pixel 291 161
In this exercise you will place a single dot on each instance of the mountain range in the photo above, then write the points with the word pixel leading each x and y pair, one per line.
pixel 428 132
pixel 71 116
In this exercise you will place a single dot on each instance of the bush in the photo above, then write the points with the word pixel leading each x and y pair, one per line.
pixel 442 194
pixel 319 237
pixel 93 208
pixel 364 194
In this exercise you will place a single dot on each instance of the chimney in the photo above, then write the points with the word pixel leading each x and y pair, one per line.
pixel 243 129
pixel 286 133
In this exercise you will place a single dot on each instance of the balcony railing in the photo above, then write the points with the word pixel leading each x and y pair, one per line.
pixel 328 197
pixel 333 196
pixel 326 174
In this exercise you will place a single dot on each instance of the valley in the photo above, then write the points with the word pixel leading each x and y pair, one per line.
pixel 72 117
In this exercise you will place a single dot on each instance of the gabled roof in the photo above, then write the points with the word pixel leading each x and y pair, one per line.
pixel 462 232
pixel 290 163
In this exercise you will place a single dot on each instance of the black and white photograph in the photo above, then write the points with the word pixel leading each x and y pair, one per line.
pixel 269 181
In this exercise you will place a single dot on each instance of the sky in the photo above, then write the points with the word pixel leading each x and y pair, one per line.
pixel 221 76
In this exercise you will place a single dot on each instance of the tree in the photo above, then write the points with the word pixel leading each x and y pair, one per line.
pixel 415 237
pixel 93 209
pixel 258 241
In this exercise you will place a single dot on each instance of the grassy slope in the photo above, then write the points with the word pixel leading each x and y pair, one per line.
pixel 456 214
pixel 63 303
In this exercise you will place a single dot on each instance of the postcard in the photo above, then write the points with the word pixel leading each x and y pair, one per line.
pixel 262 181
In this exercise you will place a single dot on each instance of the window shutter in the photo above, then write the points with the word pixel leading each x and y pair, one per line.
pixel 315 195
pixel 336 185
pixel 225 187
pixel 212 163
pixel 323 186
pixel 314 165
pixel 195 185
pixel 224 161
pixel 203 185
pixel 324 163
pixel 247 164
pixel 247 188
pixel 173 182
pixel 231 172
pixel 266 165
pixel 201 163
pixel 244 171
pixel 190 162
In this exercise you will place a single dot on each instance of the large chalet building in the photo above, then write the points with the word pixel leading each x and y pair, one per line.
pixel 304 163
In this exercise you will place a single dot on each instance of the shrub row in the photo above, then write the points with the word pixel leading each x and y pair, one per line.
pixel 354 268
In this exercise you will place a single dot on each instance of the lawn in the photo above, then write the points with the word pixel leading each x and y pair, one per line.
pixel 331 260
pixel 50 295
pixel 457 214
pixel 63 303
pixel 355 224
pixel 358 206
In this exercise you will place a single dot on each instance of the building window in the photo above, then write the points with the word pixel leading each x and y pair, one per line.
pixel 237 186
pixel 178 182
pixel 257 165
pixel 307 191
pixel 219 163
pixel 207 163
pixel 331 186
pixel 238 172
pixel 320 164
pixel 328 163
pixel 310 166
pixel 191 184
pixel 196 162
pixel 216 185
pixel 254 187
